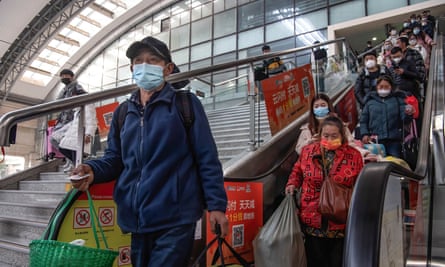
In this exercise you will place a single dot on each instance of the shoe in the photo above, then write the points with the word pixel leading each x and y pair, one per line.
pixel 69 168
pixel 67 163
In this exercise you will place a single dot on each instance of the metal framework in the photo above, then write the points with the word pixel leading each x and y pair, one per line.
pixel 55 15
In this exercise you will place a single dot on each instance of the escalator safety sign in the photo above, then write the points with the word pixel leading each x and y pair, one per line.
pixel 106 216
pixel 81 218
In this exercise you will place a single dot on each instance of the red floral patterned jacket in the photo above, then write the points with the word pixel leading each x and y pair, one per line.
pixel 307 173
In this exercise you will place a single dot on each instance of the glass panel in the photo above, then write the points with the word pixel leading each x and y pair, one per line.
pixel 250 38
pixel 175 21
pixel 311 21
pixel 310 38
pixel 412 2
pixel 230 4
pixel 303 6
pixel 200 64
pixel 180 37
pixel 206 10
pixel 224 45
pixel 224 58
pixel 196 13
pixel 225 23
pixel 110 60
pixel 279 30
pixel 218 6
pixel 185 17
pixel 279 9
pixel 251 15
pixel 377 6
pixel 201 30
pixel 123 73
pixel 164 36
pixel 201 51
pixel 347 11
pixel 181 56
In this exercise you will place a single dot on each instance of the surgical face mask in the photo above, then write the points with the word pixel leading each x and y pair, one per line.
pixel 393 32
pixel 383 92
pixel 413 20
pixel 416 31
pixel 406 24
pixel 397 60
pixel 370 64
pixel 330 144
pixel 424 23
pixel 147 76
pixel 387 47
pixel 413 42
pixel 65 81
pixel 321 112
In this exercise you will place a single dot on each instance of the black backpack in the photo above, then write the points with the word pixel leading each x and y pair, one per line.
pixel 183 103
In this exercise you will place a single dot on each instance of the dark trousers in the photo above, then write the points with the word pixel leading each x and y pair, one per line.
pixel 324 252
pixel 170 247
pixel 392 147
pixel 69 154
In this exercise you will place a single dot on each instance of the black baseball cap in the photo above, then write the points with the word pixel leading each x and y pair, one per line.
pixel 370 53
pixel 265 47
pixel 152 45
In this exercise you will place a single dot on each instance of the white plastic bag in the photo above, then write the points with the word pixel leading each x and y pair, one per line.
pixel 280 241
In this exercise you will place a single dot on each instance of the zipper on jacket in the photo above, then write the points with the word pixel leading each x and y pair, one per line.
pixel 135 207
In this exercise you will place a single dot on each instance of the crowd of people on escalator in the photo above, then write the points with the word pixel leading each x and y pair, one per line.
pixel 389 91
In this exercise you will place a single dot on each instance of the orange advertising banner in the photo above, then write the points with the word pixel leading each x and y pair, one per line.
pixel 104 114
pixel 347 110
pixel 287 96
pixel 245 214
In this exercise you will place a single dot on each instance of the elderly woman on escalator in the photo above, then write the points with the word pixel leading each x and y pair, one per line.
pixel 333 158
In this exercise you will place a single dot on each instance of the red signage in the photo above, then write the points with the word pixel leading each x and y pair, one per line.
pixel 104 115
pixel 245 214
pixel 287 96
pixel 347 109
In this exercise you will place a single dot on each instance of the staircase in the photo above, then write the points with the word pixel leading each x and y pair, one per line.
pixel 26 210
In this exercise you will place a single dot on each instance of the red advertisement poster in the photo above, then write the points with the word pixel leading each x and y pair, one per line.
pixel 245 214
pixel 287 96
pixel 104 115
pixel 347 109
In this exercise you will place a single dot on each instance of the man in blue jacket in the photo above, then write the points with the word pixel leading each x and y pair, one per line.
pixel 165 177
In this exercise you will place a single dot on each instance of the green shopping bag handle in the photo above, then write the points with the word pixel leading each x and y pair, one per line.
pixel 62 210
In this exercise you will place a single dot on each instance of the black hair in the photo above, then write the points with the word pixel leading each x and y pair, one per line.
pixel 67 71
pixel 404 39
pixel 152 45
pixel 395 50
pixel 265 47
pixel 386 78
pixel 370 53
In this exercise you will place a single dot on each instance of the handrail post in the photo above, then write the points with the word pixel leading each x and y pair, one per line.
pixel 80 136
pixel 251 97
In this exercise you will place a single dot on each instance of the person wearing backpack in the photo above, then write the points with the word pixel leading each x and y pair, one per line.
pixel 166 173
pixel 367 79
pixel 272 65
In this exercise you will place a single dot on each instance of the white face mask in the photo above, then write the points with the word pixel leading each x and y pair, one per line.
pixel 383 92
pixel 370 63
pixel 393 32
pixel 397 60
pixel 412 42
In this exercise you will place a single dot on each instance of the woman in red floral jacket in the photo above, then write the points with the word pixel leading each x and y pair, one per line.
pixel 323 238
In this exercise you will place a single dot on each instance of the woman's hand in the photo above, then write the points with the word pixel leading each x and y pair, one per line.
pixel 290 189
pixel 81 170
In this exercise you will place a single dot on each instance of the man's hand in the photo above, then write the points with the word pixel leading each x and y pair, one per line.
pixel 87 139
pixel 290 189
pixel 219 217
pixel 83 169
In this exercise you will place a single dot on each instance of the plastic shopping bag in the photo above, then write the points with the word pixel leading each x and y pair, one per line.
pixel 280 241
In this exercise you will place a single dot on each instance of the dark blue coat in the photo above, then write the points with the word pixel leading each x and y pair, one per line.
pixel 383 116
pixel 159 185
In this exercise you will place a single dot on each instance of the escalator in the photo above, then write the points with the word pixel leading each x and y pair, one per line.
pixel 397 216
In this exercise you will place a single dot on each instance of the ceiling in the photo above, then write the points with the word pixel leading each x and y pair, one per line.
pixel 357 32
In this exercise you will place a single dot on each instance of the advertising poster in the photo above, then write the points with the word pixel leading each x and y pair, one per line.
pixel 104 114
pixel 287 96
pixel 347 109
pixel 245 214
pixel 77 223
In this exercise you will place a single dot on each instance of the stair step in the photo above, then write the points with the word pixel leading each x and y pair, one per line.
pixel 53 175
pixel 22 229
pixel 28 211
pixel 20 196
pixel 54 185
pixel 13 253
